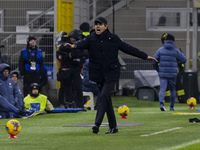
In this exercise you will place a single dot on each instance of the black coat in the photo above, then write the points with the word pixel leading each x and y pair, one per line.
pixel 103 55
pixel 77 60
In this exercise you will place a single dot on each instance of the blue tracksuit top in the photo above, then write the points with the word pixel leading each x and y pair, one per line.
pixel 168 57
pixel 20 99
pixel 8 88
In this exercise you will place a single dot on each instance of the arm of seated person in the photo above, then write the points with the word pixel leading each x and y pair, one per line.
pixel 49 106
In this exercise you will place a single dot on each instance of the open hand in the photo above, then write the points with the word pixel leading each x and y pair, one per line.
pixel 68 45
pixel 150 58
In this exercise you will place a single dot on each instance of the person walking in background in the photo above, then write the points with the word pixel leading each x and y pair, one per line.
pixel 180 92
pixel 88 85
pixel 30 64
pixel 104 67
pixel 168 57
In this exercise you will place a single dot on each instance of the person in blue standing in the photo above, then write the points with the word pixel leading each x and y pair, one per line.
pixel 30 64
pixel 88 85
pixel 168 56
pixel 104 67
pixel 20 101
pixel 9 95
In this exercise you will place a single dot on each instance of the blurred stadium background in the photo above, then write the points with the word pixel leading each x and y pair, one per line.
pixel 138 22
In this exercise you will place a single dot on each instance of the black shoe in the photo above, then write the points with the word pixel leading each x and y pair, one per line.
pixel 194 120
pixel 162 107
pixel 95 129
pixel 111 131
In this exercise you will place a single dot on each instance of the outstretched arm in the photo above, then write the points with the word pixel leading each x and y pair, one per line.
pixel 68 45
pixel 150 58
pixel 5 104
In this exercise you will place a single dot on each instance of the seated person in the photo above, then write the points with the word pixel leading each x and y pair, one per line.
pixel 9 96
pixel 36 101
pixel 88 85
pixel 4 104
pixel 20 101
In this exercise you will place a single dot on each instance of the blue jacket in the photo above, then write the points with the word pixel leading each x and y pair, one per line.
pixel 20 100
pixel 88 85
pixel 25 62
pixel 168 57
pixel 8 88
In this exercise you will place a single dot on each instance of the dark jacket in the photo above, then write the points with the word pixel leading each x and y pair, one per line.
pixel 78 57
pixel 103 55
pixel 168 57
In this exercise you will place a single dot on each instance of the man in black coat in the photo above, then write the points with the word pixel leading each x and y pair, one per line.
pixel 104 67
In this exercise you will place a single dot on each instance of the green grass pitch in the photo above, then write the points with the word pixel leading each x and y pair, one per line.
pixel 160 131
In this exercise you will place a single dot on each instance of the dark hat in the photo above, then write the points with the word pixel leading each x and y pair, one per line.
pixel 167 36
pixel 85 27
pixel 101 20
pixel 35 86
pixel 76 34
pixel 30 38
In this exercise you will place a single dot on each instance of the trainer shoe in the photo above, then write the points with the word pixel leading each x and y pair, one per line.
pixel 27 114
pixel 171 109
pixel 111 131
pixel 162 107
pixel 95 129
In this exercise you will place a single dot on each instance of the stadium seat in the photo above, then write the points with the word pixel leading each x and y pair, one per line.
pixel 91 95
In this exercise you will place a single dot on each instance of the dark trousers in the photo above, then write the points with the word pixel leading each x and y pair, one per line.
pixel 28 79
pixel 105 105
pixel 71 89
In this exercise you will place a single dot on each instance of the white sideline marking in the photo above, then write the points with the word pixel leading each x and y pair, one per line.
pixel 183 145
pixel 162 131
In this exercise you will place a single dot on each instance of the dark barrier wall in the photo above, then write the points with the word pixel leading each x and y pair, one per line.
pixel 190 83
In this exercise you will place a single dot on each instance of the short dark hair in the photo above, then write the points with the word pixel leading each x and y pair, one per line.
pixel 85 27
pixel 167 36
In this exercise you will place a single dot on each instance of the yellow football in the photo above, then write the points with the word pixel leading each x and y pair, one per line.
pixel 191 101
pixel 123 110
pixel 13 127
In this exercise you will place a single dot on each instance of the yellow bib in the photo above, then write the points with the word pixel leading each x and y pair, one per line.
pixel 36 103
